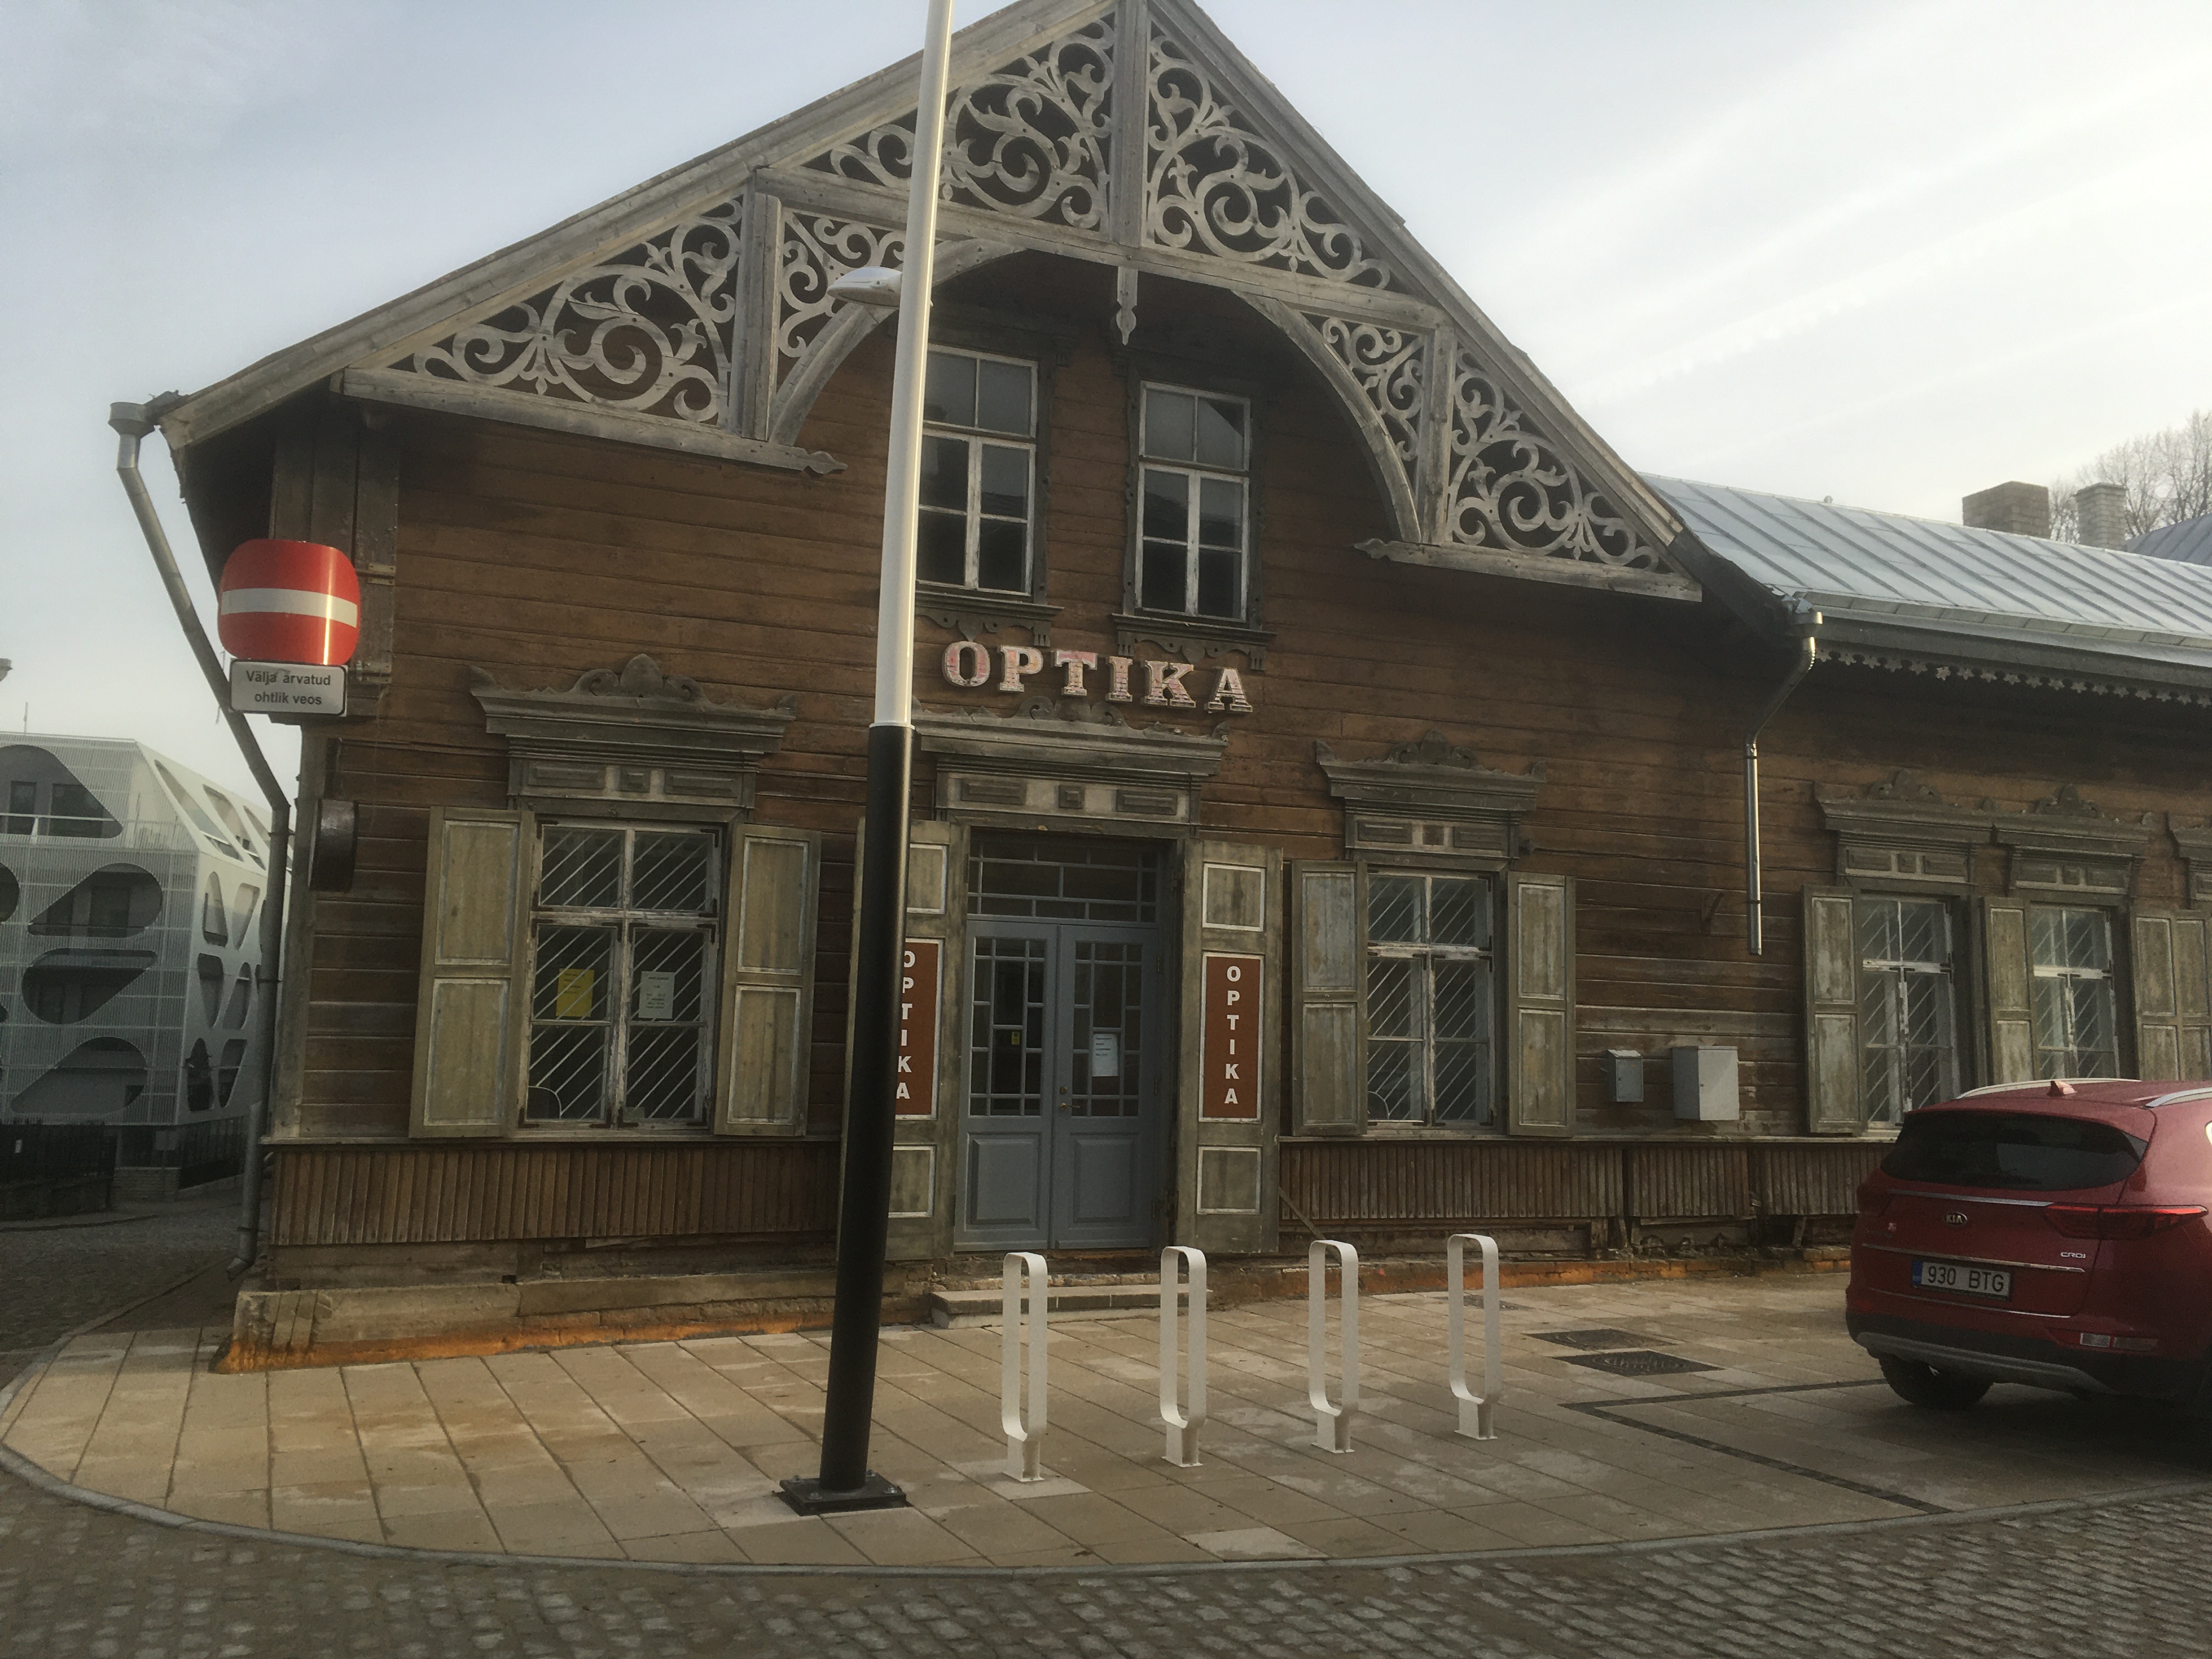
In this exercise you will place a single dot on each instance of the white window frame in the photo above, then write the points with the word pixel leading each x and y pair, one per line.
pixel 975 437
pixel 1896 970
pixel 2107 976
pixel 1194 472
pixel 1423 1042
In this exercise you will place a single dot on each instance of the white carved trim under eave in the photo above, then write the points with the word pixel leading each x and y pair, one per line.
pixel 650 329
pixel 1430 800
pixel 1032 138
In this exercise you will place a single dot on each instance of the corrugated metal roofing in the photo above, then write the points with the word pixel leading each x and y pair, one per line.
pixel 2189 542
pixel 1923 573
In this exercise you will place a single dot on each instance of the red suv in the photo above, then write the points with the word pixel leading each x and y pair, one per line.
pixel 2054 1234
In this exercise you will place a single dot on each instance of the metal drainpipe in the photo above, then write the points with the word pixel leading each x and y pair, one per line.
pixel 1754 884
pixel 132 422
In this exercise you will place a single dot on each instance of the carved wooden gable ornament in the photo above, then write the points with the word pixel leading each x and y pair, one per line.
pixel 694 313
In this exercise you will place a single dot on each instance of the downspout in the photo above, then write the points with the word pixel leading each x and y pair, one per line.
pixel 1809 622
pixel 132 422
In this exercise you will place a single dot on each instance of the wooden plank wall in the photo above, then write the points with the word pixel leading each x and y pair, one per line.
pixel 539 556
pixel 453 1195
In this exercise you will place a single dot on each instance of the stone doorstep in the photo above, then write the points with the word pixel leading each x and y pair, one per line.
pixel 279 1330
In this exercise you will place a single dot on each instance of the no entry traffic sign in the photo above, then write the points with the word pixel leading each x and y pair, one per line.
pixel 297 602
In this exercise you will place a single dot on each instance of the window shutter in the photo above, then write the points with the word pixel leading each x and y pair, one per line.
pixel 2173 995
pixel 1328 1080
pixel 1226 1186
pixel 766 1041
pixel 2008 989
pixel 470 1004
pixel 1539 1004
pixel 1835 1102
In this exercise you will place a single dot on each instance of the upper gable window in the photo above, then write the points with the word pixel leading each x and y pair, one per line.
pixel 978 472
pixel 1197 510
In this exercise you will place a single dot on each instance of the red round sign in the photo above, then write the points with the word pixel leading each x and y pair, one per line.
pixel 289 602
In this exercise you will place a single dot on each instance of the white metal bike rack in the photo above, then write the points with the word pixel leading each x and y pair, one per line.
pixel 1025 1435
pixel 1475 1409
pixel 1332 1424
pixel 1184 1420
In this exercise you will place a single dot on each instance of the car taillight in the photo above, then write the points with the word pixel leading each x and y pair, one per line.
pixel 2118 1220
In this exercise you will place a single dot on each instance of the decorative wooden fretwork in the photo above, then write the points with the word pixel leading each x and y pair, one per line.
pixel 1031 138
pixel 817 250
pixel 1214 183
pixel 1387 363
pixel 648 331
pixel 1510 490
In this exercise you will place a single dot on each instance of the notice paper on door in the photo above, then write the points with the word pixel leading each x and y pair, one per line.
pixel 656 996
pixel 1105 1053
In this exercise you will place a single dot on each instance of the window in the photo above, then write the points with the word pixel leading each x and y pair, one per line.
pixel 2077 1025
pixel 976 490
pixel 1908 1005
pixel 1431 981
pixel 623 935
pixel 1196 452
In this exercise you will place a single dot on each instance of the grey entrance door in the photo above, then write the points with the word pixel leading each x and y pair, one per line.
pixel 1062 1114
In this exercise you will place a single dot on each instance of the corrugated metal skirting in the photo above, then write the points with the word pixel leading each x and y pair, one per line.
pixel 466 1194
pixel 1450 1181
pixel 1689 1184
pixel 1814 1180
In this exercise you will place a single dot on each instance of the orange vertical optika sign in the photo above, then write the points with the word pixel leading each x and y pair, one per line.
pixel 916 1095
pixel 1230 1053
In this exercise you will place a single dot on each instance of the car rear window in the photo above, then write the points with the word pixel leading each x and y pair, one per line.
pixel 2026 1151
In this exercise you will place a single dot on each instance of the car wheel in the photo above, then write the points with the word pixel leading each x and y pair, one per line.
pixel 1924 1385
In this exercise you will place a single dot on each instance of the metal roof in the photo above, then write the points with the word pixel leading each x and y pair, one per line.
pixel 2190 541
pixel 1975 588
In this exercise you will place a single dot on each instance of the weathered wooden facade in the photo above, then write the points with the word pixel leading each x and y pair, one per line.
pixel 1330 809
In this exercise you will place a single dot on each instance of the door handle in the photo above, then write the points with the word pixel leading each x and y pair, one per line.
pixel 1063 1098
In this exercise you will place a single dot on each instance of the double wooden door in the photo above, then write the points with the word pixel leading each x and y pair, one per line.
pixel 1065 1101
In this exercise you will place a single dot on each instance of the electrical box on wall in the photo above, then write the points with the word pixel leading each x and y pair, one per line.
pixel 1624 1076
pixel 1706 1085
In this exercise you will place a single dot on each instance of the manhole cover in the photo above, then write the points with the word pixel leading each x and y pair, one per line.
pixel 1596 1337
pixel 1639 1362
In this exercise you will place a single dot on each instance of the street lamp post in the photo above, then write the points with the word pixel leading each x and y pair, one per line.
pixel 846 1482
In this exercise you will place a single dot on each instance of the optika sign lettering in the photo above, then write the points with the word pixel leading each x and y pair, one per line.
pixel 1122 679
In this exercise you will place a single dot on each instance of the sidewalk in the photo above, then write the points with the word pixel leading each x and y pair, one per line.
pixel 671 1451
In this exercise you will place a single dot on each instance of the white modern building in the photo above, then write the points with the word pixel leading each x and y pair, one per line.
pixel 130 892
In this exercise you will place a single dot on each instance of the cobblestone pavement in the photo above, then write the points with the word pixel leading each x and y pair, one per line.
pixel 56 1275
pixel 2078 1583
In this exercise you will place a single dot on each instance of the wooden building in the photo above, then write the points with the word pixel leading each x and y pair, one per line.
pixel 1329 811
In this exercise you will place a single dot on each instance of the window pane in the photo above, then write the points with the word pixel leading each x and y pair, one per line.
pixel 1390 985
pixel 1459 911
pixel 1924 934
pixel 672 872
pixel 1006 483
pixel 581 868
pixel 1168 418
pixel 668 975
pixel 1167 506
pixel 1390 1081
pixel 1462 1001
pixel 1160 583
pixel 1221 513
pixel 945 473
pixel 948 393
pixel 2088 940
pixel 1394 909
pixel 1002 556
pixel 1217 583
pixel 2050 1027
pixel 2095 1050
pixel 574 974
pixel 662 1079
pixel 941 547
pixel 2047 936
pixel 1003 398
pixel 1877 928
pixel 568 1072
pixel 1221 433
pixel 1462 1083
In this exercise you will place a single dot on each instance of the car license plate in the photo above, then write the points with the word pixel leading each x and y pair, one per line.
pixel 1993 1282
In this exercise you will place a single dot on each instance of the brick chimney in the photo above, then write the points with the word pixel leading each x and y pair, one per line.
pixel 2100 515
pixel 2018 509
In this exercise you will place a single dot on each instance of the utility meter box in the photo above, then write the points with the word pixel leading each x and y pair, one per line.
pixel 1706 1085
pixel 1624 1076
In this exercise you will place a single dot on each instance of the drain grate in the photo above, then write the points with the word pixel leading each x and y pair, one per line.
pixel 1639 1362
pixel 1596 1337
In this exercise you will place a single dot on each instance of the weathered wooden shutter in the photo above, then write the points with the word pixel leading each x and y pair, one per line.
pixel 1539 1004
pixel 1226 1188
pixel 1835 1102
pixel 472 1002
pixel 767 981
pixel 2174 1018
pixel 2008 990
pixel 1328 1081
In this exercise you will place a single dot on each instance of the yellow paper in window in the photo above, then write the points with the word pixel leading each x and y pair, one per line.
pixel 572 994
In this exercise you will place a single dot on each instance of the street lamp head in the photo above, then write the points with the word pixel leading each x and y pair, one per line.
pixel 869 285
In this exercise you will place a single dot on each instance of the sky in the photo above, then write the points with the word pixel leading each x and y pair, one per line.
pixel 1887 250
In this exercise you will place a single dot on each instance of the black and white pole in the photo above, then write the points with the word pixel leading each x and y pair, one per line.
pixel 846 1482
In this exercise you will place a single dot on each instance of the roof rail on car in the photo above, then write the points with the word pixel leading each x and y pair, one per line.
pixel 2043 1082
